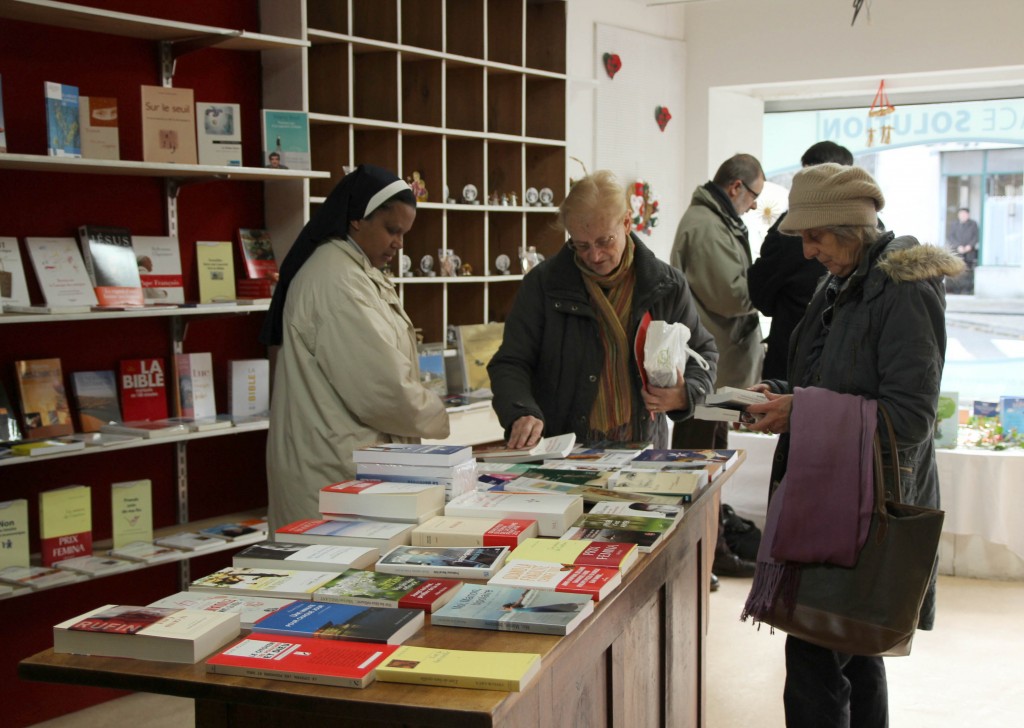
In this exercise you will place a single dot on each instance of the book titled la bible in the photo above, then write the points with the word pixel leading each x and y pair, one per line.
pixel 143 390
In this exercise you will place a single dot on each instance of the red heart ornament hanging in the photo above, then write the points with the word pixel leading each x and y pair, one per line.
pixel 612 64
pixel 662 116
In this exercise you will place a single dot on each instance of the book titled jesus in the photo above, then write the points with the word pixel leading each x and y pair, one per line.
pixel 110 261
pixel 143 390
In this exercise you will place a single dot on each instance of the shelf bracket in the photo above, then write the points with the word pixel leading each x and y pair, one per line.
pixel 172 50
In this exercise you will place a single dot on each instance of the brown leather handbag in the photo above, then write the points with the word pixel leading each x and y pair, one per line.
pixel 871 608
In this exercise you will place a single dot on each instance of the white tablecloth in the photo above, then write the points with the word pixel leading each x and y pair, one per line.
pixel 982 491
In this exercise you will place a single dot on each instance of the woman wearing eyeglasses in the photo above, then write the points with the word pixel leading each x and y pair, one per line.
pixel 566 362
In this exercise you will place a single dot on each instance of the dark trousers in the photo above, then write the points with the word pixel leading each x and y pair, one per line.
pixel 694 434
pixel 827 689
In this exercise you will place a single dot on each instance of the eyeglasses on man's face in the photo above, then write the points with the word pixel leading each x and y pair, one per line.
pixel 603 243
pixel 752 193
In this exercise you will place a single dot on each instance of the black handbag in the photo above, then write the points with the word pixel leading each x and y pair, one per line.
pixel 871 608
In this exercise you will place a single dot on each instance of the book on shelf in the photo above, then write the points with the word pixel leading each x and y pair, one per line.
pixel 47 446
pixel 510 671
pixel 1011 414
pixel 257 253
pixel 406 502
pixel 382 535
pixel 277 583
pixel 38 577
pixel 168 125
pixel 143 387
pixel 219 134
pixel 101 439
pixel 193 385
pixel 97 120
pixel 62 277
pixel 249 387
pixel 146 633
pixel 595 581
pixel 65 523
pixel 239 532
pixel 44 403
pixel 441 562
pixel 146 429
pixel 202 424
pixel 10 430
pixel 947 420
pixel 646 532
pixel 509 609
pixel 96 565
pixel 683 459
pixel 146 552
pixel 475 345
pixel 10 590
pixel 305 557
pixel 255 290
pixel 131 511
pixel 465 531
pixel 3 126
pixel 554 513
pixel 111 264
pixel 311 661
pixel 686 484
pixel 723 414
pixel 377 589
pixel 189 541
pixel 63 133
pixel 285 139
pixel 159 262
pixel 248 609
pixel 216 268
pixel 411 454
pixel 548 448
pixel 94 394
pixel 14 530
pixel 577 552
pixel 13 285
pixel 384 625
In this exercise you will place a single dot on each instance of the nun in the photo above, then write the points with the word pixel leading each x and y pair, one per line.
pixel 347 370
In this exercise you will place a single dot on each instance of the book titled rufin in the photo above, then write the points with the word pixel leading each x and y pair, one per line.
pixel 511 671
pixel 65 523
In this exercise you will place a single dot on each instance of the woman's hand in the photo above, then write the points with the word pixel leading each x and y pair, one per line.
pixel 773 415
pixel 526 432
pixel 666 399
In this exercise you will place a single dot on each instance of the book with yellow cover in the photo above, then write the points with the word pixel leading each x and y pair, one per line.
pixel 216 265
pixel 460 668
pixel 577 552
pixel 131 517
pixel 65 523
pixel 14 533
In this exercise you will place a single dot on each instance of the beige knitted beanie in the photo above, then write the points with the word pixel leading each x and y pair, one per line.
pixel 832 194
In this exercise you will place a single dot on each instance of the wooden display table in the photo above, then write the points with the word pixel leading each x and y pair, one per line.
pixel 638 661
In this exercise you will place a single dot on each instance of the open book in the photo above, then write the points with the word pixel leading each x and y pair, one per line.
pixel 549 448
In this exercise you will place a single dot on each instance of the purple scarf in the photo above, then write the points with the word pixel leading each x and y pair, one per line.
pixel 821 511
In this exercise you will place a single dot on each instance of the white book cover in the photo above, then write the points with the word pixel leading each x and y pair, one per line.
pixel 159 259
pixel 277 583
pixel 190 541
pixel 312 557
pixel 147 553
pixel 249 387
pixel 249 609
pixel 554 513
pixel 38 577
pixel 96 565
pixel 14 528
pixel 61 272
pixel 219 134
pixel 194 381
pixel 13 286
pixel 97 118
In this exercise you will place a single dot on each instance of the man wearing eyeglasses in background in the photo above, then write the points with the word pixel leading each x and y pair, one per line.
pixel 566 361
pixel 713 252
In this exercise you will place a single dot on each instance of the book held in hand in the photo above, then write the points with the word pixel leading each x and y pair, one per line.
pixel 475 562
pixel 510 609
pixel 595 581
pixel 305 557
pixel 146 633
pixel 549 448
pixel 342 622
pixel 511 671
pixel 377 589
pixel 110 261
pixel 312 661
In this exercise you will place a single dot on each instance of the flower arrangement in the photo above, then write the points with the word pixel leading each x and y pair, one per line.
pixel 643 205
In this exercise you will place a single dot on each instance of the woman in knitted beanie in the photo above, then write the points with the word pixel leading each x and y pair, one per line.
pixel 875 328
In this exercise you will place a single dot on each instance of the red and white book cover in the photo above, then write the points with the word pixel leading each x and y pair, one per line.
pixel 577 552
pixel 258 253
pixel 430 595
pixel 316 661
pixel 122 619
pixel 143 384
pixel 509 532
pixel 595 581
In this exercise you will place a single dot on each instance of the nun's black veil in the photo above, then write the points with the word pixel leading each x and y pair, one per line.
pixel 355 197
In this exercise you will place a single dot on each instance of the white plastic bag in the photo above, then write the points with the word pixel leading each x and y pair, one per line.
pixel 665 352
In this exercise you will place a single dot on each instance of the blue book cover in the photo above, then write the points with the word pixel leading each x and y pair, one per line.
pixel 385 625
pixel 63 134
pixel 1011 414
pixel 510 609
pixel 285 139
pixel 985 409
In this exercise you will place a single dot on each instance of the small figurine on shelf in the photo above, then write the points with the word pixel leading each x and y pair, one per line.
pixel 466 270
pixel 446 262
pixel 427 266
pixel 494 199
pixel 530 258
pixel 418 186
pixel 504 199
pixel 512 198
pixel 502 263
pixel 405 266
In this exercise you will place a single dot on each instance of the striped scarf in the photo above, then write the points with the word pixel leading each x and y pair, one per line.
pixel 612 299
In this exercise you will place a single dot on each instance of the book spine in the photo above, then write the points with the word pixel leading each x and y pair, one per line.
pixel 355 600
pixel 451 681
pixel 290 676
pixel 436 572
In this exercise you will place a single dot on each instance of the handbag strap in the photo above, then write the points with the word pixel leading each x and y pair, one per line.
pixel 894 465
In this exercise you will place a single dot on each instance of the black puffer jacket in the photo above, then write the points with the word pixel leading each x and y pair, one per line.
pixel 551 356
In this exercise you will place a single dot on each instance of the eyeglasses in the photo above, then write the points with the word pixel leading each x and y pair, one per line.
pixel 754 194
pixel 599 244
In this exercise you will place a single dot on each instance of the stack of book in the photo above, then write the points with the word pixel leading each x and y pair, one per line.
pixel 554 513
pixel 382 501
pixel 729 404
pixel 452 466
pixel 466 531
pixel 455 562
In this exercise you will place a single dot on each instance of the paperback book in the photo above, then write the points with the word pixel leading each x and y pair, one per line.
pixel 193 386
pixel 60 271
pixel 159 262
pixel 44 403
pixel 97 119
pixel 10 430
pixel 302 557
pixel 510 609
pixel 65 523
pixel 238 532
pixel 638 508
pixel 686 484
pixel 38 577
pixel 257 253
pixel 146 633
pixel 146 429
pixel 312 661
pixel 277 583
pixel 146 552
pixel 47 446
pixel 577 552
pixel 383 535
pixel 189 541
pixel 377 589
pixel 947 420
pixel 63 134
pixel 168 125
pixel 219 134
pixel 408 502
pixel 511 671
pixel 14 529
pixel 383 625
pixel 216 268
pixel 111 264
pixel 143 387
pixel 554 513
pixel 1011 414
pixel 464 531
pixel 549 448
pixel 683 459
pixel 597 582
pixel 285 139
pixel 723 414
pixel 248 609
pixel 406 454
pixel 476 562
pixel 95 397
pixel 645 532
pixel 96 565
pixel 249 388
pixel 13 286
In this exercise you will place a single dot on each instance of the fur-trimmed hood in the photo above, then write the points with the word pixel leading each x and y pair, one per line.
pixel 911 261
